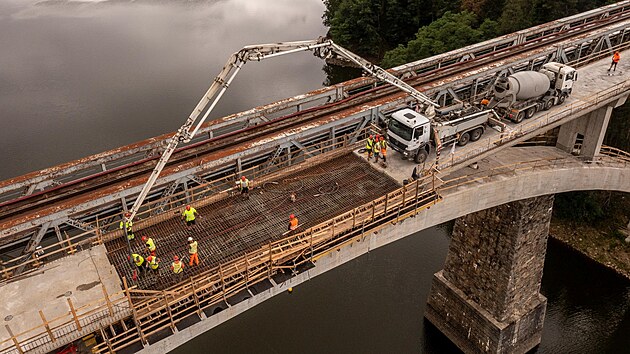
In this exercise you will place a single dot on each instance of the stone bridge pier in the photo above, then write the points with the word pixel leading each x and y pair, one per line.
pixel 487 299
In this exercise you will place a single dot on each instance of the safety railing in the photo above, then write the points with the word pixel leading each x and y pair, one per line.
pixel 620 160
pixel 161 209
pixel 66 328
pixel 163 310
pixel 535 125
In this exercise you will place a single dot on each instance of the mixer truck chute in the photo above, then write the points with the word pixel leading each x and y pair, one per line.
pixel 520 95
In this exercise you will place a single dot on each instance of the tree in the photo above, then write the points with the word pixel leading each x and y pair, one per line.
pixel 451 31
pixel 516 15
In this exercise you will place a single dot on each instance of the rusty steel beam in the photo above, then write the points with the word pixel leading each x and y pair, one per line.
pixel 378 106
pixel 40 180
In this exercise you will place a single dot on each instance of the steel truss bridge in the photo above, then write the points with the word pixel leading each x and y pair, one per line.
pixel 83 199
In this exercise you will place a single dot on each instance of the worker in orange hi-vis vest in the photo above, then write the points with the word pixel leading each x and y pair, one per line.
pixel 615 60
pixel 293 222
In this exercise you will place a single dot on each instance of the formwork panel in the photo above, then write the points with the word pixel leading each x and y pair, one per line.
pixel 234 226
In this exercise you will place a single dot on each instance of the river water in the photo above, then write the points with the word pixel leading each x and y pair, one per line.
pixel 78 78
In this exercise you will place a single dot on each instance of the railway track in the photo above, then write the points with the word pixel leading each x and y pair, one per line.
pixel 91 183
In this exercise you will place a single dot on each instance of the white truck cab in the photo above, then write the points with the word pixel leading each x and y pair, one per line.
pixel 408 131
pixel 561 76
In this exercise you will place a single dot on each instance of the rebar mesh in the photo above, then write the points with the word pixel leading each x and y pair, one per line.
pixel 231 227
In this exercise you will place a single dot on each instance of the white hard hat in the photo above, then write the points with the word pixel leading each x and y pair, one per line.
pixel 189 239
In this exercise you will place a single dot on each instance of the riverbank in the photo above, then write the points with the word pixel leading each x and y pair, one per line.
pixel 608 250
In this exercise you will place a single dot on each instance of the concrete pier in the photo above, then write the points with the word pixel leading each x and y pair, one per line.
pixel 486 299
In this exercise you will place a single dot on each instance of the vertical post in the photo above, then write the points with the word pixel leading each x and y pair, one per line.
pixel 246 271
pixel 109 303
pixel 72 249
pixel 109 344
pixel 192 284
pixel 168 310
pixel 386 201
pixel 52 337
pixel 403 196
pixel 15 341
pixel 270 261
pixel 133 311
pixel 333 229
pixel 417 192
pixel 311 242
pixel 373 209
pixel 222 282
pixel 98 231
pixel 354 217
pixel 74 315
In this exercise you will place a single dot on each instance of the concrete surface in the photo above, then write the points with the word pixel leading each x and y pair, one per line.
pixel 78 277
pixel 495 190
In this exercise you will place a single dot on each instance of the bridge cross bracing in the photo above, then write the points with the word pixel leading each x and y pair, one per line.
pixel 354 120
pixel 590 39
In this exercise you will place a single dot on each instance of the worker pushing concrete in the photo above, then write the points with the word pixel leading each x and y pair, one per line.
pixel 189 215
pixel 243 186
pixel 128 225
pixel 192 252
pixel 148 241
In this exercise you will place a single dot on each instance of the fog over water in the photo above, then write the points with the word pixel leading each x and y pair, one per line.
pixel 79 78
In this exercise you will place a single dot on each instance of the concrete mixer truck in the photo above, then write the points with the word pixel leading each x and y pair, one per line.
pixel 522 94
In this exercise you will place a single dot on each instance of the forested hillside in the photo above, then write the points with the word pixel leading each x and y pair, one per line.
pixel 394 32
pixel 400 31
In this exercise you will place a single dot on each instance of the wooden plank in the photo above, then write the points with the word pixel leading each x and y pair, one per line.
pixel 74 315
pixel 15 341
pixel 50 334
pixel 109 303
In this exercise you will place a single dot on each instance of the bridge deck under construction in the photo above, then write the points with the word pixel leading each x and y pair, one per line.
pixel 231 227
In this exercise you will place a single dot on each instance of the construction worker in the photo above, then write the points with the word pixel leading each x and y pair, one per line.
pixel 293 222
pixel 152 262
pixel 615 60
pixel 189 215
pixel 369 146
pixel 243 186
pixel 128 225
pixel 177 267
pixel 150 244
pixel 377 148
pixel 192 252
pixel 383 148
pixel 138 260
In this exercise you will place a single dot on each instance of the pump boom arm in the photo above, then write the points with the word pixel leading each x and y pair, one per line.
pixel 321 47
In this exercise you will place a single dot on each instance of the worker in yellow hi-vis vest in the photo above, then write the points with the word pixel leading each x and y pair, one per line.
pixel 128 225
pixel 189 215
pixel 177 266
pixel 192 252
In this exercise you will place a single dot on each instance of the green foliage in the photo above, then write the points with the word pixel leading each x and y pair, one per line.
pixel 451 31
pixel 578 206
pixel 618 132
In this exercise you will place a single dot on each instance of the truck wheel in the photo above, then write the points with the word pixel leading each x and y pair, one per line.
pixel 562 98
pixel 548 104
pixel 476 134
pixel 519 117
pixel 463 139
pixel 421 156
pixel 530 112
